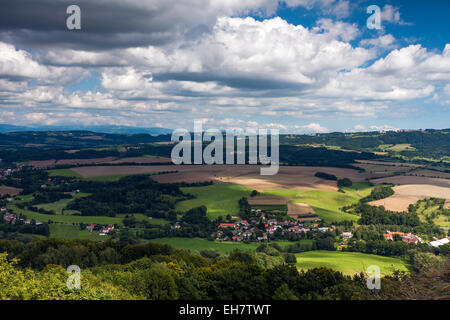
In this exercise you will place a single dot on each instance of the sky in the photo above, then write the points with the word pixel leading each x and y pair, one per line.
pixel 295 65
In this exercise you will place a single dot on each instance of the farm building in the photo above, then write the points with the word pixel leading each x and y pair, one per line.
pixel 439 243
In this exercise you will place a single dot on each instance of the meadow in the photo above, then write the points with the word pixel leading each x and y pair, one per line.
pixel 348 262
pixel 327 204
pixel 223 247
pixel 220 199
pixel 59 206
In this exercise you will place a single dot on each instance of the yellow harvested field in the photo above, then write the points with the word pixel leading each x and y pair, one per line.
pixel 288 177
pixel 447 204
pixel 410 194
pixel 297 209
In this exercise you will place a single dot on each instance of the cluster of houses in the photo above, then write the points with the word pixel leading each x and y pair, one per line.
pixel 406 237
pixel 13 218
pixel 7 172
pixel 251 230
pixel 103 230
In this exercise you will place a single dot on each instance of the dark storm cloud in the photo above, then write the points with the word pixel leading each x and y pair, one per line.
pixel 243 82
pixel 104 24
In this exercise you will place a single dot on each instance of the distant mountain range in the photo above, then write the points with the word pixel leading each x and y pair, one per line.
pixel 5 128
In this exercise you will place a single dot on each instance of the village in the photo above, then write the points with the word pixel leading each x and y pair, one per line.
pixel 262 227
pixel 12 218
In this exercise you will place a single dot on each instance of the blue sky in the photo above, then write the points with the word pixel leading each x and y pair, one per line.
pixel 295 65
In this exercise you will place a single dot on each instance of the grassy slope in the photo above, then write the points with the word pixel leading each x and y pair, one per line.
pixel 220 199
pixel 327 203
pixel 441 220
pixel 64 173
pixel 348 262
pixel 223 247
pixel 61 204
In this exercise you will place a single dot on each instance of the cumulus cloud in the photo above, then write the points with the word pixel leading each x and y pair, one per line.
pixel 391 14
pixel 314 128
pixel 214 63
pixel 383 42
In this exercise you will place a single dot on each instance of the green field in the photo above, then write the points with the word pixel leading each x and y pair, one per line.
pixel 327 204
pixel 58 206
pixel 71 219
pixel 348 262
pixel 401 147
pixel 64 173
pixel 220 199
pixel 74 232
pixel 223 247
pixel 423 211
pixel 23 199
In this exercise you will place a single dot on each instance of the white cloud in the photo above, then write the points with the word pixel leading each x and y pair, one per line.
pixel 391 14
pixel 240 73
pixel 314 128
pixel 385 42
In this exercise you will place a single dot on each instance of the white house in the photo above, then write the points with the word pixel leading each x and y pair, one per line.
pixel 346 235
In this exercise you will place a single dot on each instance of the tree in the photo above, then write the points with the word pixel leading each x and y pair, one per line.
pixel 290 258
pixel 345 182
pixel 284 293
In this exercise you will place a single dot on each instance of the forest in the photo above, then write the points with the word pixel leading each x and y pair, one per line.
pixel 112 270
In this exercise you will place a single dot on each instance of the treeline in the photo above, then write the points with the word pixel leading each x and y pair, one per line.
pixel 307 156
pixel 326 176
pixel 136 194
pixel 379 192
pixel 379 215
